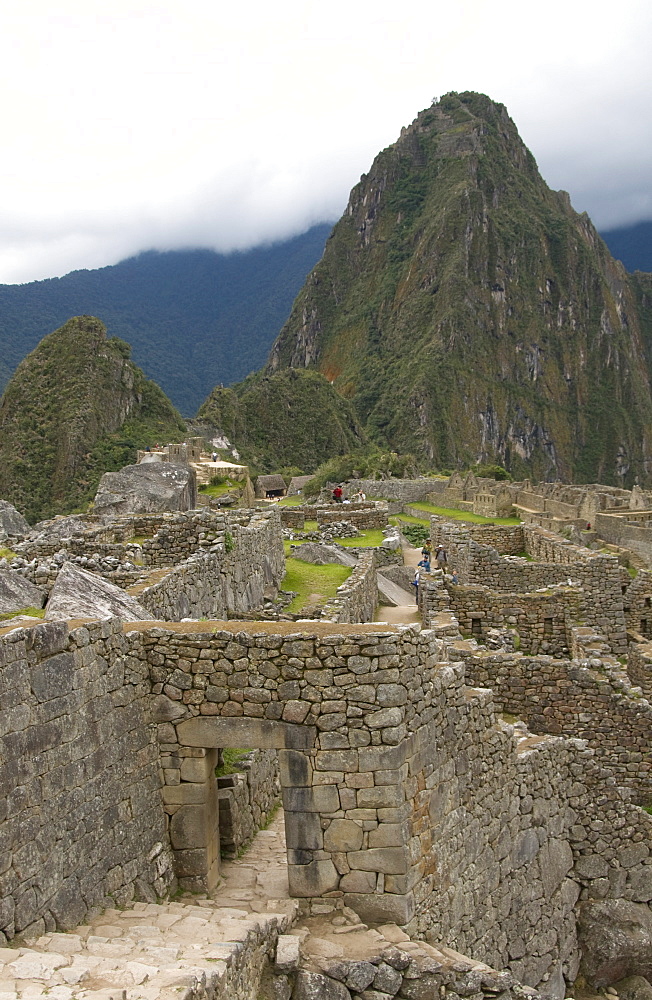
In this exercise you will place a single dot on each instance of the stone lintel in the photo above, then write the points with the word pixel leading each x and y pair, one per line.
pixel 259 734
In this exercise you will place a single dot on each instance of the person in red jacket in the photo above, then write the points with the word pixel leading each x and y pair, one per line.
pixel 337 494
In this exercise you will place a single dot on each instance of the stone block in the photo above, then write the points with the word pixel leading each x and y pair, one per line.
pixel 383 718
pixel 381 908
pixel 313 879
pixel 287 953
pixel 391 695
pixel 336 760
pixel 191 863
pixel 53 678
pixel 380 758
pixel 295 711
pixel 296 769
pixel 186 793
pixel 216 731
pixel 195 768
pixel 303 831
pixel 165 710
pixel 188 827
pixel 314 986
pixel 381 797
pixel 591 866
pixel 358 882
pixel 389 835
pixel 343 835
pixel 390 860
pixel 322 798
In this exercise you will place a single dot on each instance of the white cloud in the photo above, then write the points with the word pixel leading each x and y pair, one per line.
pixel 138 124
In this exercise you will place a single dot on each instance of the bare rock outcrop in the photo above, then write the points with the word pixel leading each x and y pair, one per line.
pixel 12 522
pixel 79 594
pixel 616 940
pixel 17 593
pixel 149 488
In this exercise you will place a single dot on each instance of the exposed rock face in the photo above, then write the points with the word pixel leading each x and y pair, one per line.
pixel 12 523
pixel 78 594
pixel 17 593
pixel 471 315
pixel 320 555
pixel 616 940
pixel 146 489
pixel 75 407
pixel 634 988
pixel 61 527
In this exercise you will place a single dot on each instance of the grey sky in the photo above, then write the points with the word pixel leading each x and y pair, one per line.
pixel 141 124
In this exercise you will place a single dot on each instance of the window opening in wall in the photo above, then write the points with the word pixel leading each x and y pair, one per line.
pixel 476 626
pixel 547 626
pixel 624 588
pixel 648 602
pixel 644 628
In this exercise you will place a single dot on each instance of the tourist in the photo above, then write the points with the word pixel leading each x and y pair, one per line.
pixel 441 557
pixel 337 494
pixel 426 550
pixel 425 564
pixel 415 584
pixel 454 577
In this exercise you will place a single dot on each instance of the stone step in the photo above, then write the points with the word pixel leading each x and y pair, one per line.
pixel 151 950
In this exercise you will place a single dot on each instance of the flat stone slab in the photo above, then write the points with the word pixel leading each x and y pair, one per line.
pixel 146 489
pixel 17 593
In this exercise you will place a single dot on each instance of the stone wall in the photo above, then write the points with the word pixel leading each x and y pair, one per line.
pixel 231 578
pixel 405 796
pixel 639 667
pixel 357 598
pixel 539 620
pixel 361 515
pixel 631 531
pixel 596 574
pixel 80 810
pixel 405 490
pixel 247 798
pixel 592 699
pixel 637 601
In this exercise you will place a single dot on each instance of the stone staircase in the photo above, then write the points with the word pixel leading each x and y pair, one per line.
pixel 153 951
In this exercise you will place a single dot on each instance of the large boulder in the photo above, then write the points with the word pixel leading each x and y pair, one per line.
pixel 12 523
pixel 17 593
pixel 320 555
pixel 615 938
pixel 150 488
pixel 80 594
pixel 59 527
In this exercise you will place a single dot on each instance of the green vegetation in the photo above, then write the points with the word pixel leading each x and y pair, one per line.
pixel 365 463
pixel 415 530
pixel 463 515
pixel 478 314
pixel 293 501
pixel 293 418
pixel 76 408
pixel 371 538
pixel 218 486
pixel 313 584
pixel 231 761
pixel 30 612
pixel 195 318
pixel 7 553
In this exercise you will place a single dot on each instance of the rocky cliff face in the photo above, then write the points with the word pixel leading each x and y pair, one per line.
pixel 75 407
pixel 471 315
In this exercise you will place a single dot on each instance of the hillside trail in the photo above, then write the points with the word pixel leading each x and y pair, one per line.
pixel 402 614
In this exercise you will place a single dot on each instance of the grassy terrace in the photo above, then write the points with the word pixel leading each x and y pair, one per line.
pixel 209 490
pixel 461 515
pixel 313 584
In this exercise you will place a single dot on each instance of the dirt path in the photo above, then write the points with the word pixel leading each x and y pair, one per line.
pixel 402 614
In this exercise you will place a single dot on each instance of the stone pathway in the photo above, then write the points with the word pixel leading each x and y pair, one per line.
pixel 160 951
pixel 402 614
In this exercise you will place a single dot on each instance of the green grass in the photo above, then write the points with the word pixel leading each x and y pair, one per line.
pixel 7 554
pixel 371 538
pixel 231 757
pixel 310 526
pixel 409 519
pixel 217 491
pixel 648 809
pixel 31 612
pixel 463 515
pixel 294 501
pixel 313 584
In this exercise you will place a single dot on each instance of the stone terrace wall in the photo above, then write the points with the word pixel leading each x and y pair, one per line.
pixel 639 667
pixel 598 575
pixel 619 530
pixel 185 533
pixel 405 490
pixel 590 699
pixel 80 808
pixel 638 603
pixel 357 597
pixel 361 515
pixel 227 580
pixel 539 619
pixel 247 798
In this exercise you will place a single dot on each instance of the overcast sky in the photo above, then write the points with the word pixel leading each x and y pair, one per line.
pixel 129 125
